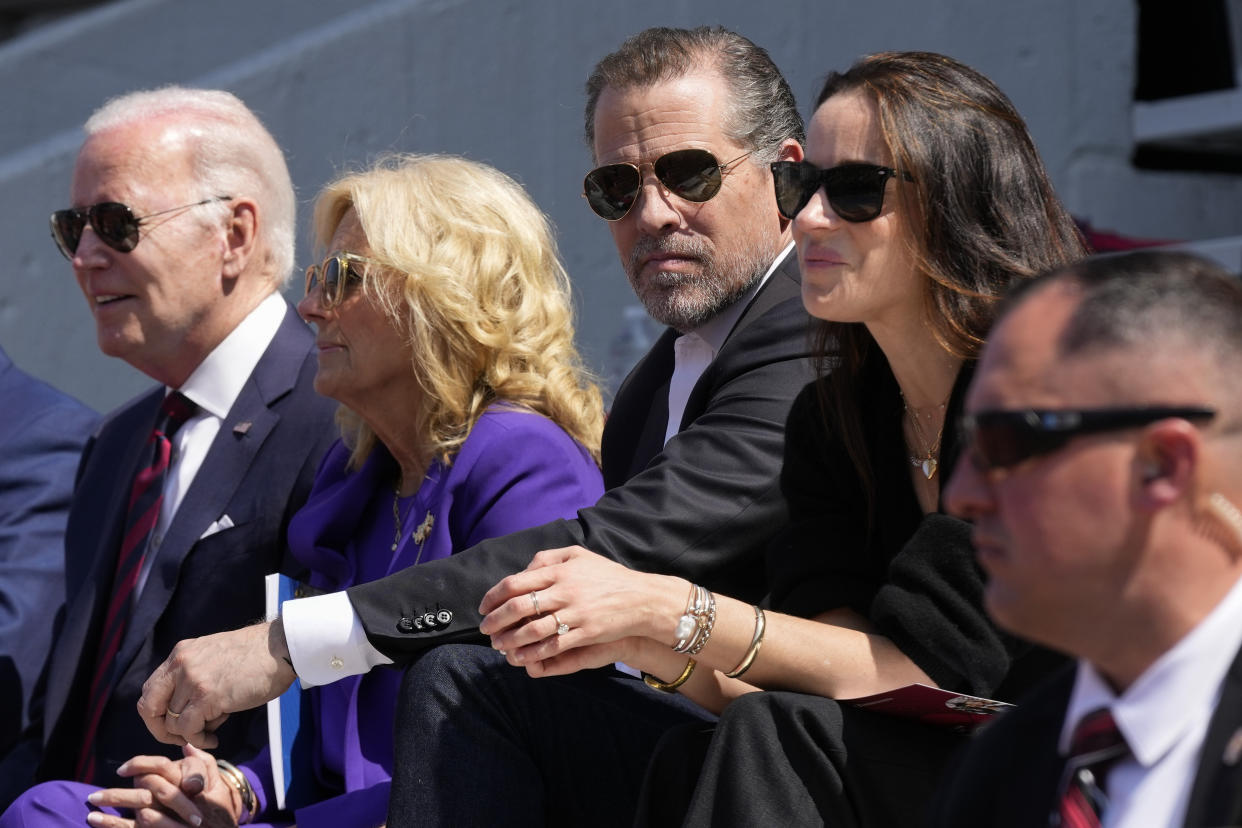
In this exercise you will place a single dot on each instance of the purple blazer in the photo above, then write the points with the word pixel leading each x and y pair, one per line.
pixel 516 469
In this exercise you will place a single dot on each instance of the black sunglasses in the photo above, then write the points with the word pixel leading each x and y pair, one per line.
pixel 114 223
pixel 1000 439
pixel 335 274
pixel 855 191
pixel 692 174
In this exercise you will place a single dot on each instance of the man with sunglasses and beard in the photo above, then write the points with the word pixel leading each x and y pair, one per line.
pixel 180 235
pixel 683 125
pixel 1103 474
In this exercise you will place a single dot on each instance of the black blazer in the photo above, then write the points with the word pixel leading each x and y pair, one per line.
pixel 1009 776
pixel 258 471
pixel 703 507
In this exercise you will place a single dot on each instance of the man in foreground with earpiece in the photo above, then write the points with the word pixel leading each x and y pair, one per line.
pixel 1103 473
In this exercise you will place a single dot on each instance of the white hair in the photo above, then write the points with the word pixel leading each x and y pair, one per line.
pixel 233 154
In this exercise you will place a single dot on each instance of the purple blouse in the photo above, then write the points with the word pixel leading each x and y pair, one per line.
pixel 516 470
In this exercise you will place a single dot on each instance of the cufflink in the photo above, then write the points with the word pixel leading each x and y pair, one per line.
pixel 1233 749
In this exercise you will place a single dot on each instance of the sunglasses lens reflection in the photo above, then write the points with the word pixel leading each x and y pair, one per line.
pixel 691 174
pixel 611 190
pixel 855 191
pixel 115 225
pixel 112 222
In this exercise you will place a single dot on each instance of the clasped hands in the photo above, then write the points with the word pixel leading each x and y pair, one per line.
pixel 612 613
pixel 166 792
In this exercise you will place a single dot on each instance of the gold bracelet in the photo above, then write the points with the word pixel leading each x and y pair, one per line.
pixel 756 642
pixel 230 773
pixel 655 684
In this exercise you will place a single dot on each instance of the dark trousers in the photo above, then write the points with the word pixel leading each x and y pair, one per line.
pixel 481 743
pixel 790 759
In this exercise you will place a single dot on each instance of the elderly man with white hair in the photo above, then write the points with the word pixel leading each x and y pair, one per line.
pixel 180 235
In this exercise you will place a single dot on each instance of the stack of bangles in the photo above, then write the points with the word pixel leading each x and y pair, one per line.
pixel 231 774
pixel 694 628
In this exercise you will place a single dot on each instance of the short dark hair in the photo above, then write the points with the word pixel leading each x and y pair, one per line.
pixel 763 113
pixel 1146 298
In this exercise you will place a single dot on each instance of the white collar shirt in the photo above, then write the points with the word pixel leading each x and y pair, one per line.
pixel 214 386
pixel 694 351
pixel 1164 717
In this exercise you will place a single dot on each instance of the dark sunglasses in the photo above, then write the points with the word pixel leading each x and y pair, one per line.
pixel 855 191
pixel 334 274
pixel 692 174
pixel 114 223
pixel 1000 439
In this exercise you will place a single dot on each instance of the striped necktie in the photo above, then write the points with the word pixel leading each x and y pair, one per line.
pixel 1095 748
pixel 141 514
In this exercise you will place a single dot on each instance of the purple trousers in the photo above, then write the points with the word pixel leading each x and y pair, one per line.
pixel 63 804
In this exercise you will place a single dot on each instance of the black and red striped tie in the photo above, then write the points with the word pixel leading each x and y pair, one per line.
pixel 1096 746
pixel 140 518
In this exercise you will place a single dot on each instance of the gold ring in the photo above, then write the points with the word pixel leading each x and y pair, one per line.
pixel 173 715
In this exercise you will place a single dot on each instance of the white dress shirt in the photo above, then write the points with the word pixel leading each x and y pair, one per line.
pixel 326 638
pixel 1164 717
pixel 214 386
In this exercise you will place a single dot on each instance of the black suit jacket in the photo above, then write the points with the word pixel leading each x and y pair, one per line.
pixel 258 471
pixel 1010 775
pixel 702 507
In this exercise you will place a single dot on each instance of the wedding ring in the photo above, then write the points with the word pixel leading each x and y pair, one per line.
pixel 534 597
pixel 561 628
pixel 173 715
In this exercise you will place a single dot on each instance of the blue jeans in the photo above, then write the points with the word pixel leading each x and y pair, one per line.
pixel 479 742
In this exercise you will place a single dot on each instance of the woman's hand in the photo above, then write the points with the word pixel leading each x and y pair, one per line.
pixel 600 602
pixel 168 792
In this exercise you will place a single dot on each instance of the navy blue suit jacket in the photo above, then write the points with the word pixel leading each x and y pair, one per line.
pixel 258 471
pixel 41 436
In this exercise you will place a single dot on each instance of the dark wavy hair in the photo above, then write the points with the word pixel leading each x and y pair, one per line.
pixel 981 208
pixel 762 110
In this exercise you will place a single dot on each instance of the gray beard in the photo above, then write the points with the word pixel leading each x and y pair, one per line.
pixel 687 301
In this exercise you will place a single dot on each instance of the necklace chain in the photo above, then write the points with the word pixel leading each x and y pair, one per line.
pixel 929 460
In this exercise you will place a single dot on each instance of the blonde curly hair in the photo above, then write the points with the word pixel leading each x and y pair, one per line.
pixel 472 280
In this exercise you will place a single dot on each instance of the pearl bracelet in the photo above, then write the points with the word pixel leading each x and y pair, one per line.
pixel 694 628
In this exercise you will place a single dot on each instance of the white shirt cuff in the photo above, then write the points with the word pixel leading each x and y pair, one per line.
pixel 326 639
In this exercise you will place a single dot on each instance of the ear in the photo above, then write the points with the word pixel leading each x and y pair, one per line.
pixel 241 237
pixel 1167 463
pixel 791 150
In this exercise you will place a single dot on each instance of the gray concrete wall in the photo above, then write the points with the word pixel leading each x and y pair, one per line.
pixel 339 81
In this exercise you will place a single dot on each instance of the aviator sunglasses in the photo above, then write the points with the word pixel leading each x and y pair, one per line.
pixel 855 191
pixel 692 174
pixel 1001 439
pixel 114 223
pixel 334 274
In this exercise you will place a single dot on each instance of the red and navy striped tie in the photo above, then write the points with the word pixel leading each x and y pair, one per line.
pixel 141 515
pixel 1095 748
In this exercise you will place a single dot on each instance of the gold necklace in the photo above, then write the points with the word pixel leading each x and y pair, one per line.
pixel 929 460
pixel 420 533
